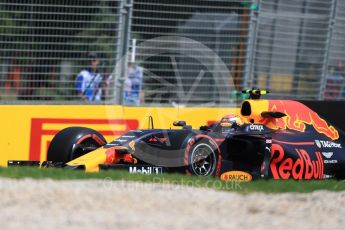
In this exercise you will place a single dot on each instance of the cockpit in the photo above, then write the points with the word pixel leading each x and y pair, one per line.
pixel 231 121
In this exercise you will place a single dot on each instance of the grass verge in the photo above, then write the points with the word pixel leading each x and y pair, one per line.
pixel 268 186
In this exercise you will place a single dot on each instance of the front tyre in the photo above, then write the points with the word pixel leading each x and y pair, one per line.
pixel 202 158
pixel 73 142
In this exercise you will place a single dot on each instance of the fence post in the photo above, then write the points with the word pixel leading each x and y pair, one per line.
pixel 123 41
pixel 250 53
pixel 327 51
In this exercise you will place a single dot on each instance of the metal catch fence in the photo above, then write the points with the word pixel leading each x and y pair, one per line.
pixel 290 48
pixel 168 52
pixel 45 44
pixel 197 52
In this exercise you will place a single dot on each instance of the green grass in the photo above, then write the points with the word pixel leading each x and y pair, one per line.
pixel 268 186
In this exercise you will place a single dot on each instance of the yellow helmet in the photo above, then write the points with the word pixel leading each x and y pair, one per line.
pixel 230 120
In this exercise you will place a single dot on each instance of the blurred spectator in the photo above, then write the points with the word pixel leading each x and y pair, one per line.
pixel 89 81
pixel 27 86
pixel 13 77
pixel 133 83
pixel 307 82
pixel 107 87
pixel 340 67
pixel 4 66
pixel 334 84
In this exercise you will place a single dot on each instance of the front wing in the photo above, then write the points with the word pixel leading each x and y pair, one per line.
pixel 131 168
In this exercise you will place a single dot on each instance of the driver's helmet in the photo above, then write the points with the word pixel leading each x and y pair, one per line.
pixel 230 120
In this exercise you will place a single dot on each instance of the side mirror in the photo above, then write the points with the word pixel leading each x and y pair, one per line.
pixel 179 123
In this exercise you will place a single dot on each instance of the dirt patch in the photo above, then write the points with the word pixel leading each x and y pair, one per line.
pixel 91 204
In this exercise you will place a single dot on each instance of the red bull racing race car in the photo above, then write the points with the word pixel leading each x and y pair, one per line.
pixel 280 139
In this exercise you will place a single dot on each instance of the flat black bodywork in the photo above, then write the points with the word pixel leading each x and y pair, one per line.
pixel 241 148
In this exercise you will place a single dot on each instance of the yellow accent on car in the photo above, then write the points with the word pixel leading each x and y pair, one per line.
pixel 90 161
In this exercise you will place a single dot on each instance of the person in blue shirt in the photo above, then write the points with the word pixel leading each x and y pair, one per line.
pixel 89 81
pixel 133 83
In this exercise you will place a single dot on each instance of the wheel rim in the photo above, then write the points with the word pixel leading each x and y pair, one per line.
pixel 203 160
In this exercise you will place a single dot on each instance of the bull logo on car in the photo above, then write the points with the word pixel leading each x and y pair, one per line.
pixel 298 116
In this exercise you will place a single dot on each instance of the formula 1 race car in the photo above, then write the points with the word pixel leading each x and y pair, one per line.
pixel 278 139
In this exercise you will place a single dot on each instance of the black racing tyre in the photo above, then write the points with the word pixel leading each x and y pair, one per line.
pixel 202 158
pixel 73 142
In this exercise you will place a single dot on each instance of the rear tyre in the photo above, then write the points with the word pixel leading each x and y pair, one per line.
pixel 202 158
pixel 73 142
